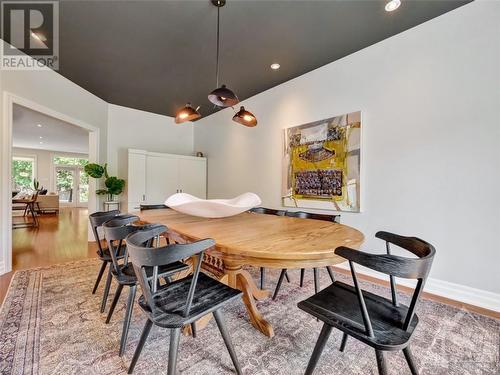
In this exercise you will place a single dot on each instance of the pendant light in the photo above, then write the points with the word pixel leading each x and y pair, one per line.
pixel 245 117
pixel 221 96
pixel 187 113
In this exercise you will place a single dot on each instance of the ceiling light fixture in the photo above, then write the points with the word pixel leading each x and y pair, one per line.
pixel 245 117
pixel 41 143
pixel 39 125
pixel 187 113
pixel 392 5
pixel 275 66
pixel 41 137
pixel 221 96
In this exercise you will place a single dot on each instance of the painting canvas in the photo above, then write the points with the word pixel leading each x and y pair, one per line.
pixel 322 164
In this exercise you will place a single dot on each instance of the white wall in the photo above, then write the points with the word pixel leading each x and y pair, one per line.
pixel 430 99
pixel 52 91
pixel 128 128
pixel 44 166
pixel 131 128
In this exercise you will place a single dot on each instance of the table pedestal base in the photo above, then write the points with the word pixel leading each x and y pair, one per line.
pixel 236 277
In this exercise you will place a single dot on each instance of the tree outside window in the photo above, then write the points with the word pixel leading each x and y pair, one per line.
pixel 22 173
pixel 65 178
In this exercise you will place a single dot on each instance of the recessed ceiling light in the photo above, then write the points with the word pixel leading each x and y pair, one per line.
pixel 39 125
pixel 275 66
pixel 392 5
pixel 41 143
pixel 41 137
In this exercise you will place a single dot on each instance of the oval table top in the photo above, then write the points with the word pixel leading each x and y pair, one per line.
pixel 264 240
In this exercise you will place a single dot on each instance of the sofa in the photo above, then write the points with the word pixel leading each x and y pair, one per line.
pixel 47 203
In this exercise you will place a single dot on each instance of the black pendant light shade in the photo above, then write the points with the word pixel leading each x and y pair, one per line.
pixel 187 113
pixel 223 97
pixel 245 117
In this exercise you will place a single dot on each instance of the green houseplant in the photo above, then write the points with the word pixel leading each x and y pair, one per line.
pixel 36 184
pixel 114 185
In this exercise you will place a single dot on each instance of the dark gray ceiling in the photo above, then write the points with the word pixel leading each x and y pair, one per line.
pixel 157 55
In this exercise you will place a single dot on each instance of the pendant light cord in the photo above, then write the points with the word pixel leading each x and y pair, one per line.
pixel 217 58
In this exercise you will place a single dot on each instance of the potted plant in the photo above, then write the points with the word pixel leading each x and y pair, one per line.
pixel 36 184
pixel 114 185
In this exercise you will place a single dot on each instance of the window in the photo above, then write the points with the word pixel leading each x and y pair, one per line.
pixel 23 172
pixel 65 160
pixel 71 180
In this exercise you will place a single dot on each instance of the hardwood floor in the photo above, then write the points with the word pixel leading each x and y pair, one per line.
pixel 58 239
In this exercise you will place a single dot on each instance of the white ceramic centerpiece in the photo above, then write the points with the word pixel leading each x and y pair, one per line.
pixel 212 208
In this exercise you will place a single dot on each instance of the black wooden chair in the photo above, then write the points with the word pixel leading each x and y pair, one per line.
pixel 144 207
pixel 267 211
pixel 115 232
pixel 308 215
pixel 264 210
pixel 97 219
pixel 378 322
pixel 181 302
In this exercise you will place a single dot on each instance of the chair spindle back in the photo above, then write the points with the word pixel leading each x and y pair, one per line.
pixel 395 266
pixel 142 255
pixel 115 232
pixel 97 219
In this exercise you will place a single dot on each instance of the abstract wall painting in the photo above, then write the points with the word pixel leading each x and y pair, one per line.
pixel 322 164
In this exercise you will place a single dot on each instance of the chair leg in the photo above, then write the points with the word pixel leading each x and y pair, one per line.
pixel 175 335
pixel 280 281
pixel 128 317
pixel 409 359
pixel 140 345
pixel 381 363
pixel 227 340
pixel 193 329
pixel 316 280
pixel 33 215
pixel 99 276
pixel 344 342
pixel 287 278
pixel 302 271
pixel 330 272
pixel 106 289
pixel 115 301
pixel 262 276
pixel 318 349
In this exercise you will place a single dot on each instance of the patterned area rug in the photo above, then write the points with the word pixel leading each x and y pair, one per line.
pixel 50 324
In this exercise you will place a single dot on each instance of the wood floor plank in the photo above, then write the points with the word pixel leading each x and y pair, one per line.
pixel 58 239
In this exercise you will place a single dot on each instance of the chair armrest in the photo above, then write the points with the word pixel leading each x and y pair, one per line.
pixel 389 264
pixel 378 262
pixel 414 245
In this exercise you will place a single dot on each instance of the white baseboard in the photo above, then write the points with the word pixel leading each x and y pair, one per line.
pixel 456 292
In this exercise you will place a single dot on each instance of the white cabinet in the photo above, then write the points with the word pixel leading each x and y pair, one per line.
pixel 153 177
pixel 161 178
pixel 136 181
pixel 193 177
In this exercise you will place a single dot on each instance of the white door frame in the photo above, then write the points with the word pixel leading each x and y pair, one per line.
pixel 9 100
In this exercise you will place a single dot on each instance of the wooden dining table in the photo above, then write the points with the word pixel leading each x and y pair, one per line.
pixel 251 239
